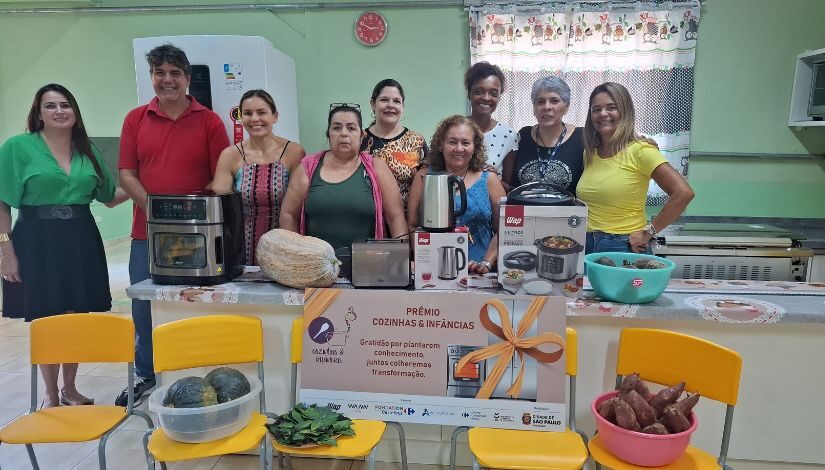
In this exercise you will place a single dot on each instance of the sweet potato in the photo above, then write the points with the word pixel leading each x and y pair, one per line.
pixel 686 405
pixel 629 383
pixel 665 397
pixel 641 389
pixel 642 409
pixel 625 417
pixel 674 420
pixel 655 428
pixel 607 411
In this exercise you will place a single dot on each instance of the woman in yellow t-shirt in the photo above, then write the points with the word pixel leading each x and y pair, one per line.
pixel 617 173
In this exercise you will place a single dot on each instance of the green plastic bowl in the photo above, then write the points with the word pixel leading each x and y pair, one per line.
pixel 627 285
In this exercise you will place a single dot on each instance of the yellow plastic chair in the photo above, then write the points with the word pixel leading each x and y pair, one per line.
pixel 367 432
pixel 68 338
pixel 211 340
pixel 666 358
pixel 513 449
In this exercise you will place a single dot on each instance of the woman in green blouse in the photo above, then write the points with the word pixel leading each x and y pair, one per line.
pixel 53 261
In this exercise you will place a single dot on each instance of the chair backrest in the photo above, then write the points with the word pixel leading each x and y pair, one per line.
pixel 297 341
pixel 667 357
pixel 572 351
pixel 82 337
pixel 206 341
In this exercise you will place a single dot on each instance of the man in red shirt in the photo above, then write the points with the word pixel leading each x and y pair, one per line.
pixel 170 145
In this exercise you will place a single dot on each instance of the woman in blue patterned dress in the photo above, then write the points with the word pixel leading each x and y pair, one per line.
pixel 458 148
pixel 258 168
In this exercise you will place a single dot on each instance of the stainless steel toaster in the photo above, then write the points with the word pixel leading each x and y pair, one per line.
pixel 380 263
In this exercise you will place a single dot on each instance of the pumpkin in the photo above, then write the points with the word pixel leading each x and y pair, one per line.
pixel 190 392
pixel 297 261
pixel 228 383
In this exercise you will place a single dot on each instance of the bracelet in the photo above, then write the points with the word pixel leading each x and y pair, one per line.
pixel 486 264
pixel 4 237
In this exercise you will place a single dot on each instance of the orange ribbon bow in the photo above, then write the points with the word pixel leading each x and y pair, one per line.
pixel 513 343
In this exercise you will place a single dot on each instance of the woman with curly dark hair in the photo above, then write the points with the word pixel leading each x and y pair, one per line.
pixel 484 83
pixel 458 148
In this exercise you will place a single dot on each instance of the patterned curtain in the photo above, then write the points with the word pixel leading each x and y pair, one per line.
pixel 647 47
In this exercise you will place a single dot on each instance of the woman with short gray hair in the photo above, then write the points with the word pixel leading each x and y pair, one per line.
pixel 550 151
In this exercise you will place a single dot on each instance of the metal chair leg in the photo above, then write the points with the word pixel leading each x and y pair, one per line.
pixel 453 440
pixel 371 459
pixel 263 454
pixel 476 465
pixel 32 457
pixel 101 448
pixel 403 442
pixel 150 460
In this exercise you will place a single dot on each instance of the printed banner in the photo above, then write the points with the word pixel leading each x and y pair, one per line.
pixel 445 358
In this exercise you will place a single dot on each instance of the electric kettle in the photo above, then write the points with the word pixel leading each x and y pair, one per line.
pixel 448 262
pixel 438 210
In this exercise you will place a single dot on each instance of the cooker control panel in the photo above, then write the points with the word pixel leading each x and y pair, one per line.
pixel 179 209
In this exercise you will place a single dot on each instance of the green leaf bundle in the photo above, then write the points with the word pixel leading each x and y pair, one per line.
pixel 314 425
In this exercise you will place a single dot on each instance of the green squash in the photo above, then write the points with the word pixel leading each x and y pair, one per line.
pixel 228 383
pixel 190 392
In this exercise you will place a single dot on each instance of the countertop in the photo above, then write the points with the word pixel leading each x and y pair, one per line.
pixel 733 302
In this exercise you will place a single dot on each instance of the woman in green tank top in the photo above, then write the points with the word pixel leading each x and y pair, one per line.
pixel 341 195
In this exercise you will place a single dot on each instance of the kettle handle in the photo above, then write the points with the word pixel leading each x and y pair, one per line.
pixel 463 259
pixel 455 180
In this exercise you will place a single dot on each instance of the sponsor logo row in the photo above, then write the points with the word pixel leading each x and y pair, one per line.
pixel 527 418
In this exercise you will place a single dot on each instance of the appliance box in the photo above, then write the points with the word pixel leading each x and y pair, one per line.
pixel 523 244
pixel 441 259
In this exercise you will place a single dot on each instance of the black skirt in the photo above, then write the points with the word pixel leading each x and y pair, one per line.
pixel 62 263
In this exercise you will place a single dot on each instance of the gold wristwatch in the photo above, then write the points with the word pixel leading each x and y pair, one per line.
pixel 649 228
pixel 4 237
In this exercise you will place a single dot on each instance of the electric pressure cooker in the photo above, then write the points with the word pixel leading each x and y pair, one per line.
pixel 558 257
pixel 539 193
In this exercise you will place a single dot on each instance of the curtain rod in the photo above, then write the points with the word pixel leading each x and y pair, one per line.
pixel 237 7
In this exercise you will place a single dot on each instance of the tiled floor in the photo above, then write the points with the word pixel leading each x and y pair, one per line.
pixel 103 382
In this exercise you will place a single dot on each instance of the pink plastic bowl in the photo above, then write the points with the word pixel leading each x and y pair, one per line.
pixel 647 450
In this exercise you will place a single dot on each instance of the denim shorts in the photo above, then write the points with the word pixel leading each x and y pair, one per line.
pixel 599 242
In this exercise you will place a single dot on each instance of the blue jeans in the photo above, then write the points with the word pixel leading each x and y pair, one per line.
pixel 141 311
pixel 599 242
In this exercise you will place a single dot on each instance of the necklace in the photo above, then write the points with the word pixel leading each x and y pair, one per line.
pixel 546 168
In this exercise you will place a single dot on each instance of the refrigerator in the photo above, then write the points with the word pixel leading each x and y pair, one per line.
pixel 223 69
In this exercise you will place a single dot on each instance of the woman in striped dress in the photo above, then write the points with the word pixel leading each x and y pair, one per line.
pixel 258 167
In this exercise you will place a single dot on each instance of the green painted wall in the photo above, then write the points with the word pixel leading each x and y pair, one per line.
pixel 744 71
pixel 92 56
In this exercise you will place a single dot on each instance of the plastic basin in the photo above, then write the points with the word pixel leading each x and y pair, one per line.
pixel 647 450
pixel 207 423
pixel 627 285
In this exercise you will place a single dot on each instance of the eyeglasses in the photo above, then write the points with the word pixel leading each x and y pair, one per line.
pixel 349 105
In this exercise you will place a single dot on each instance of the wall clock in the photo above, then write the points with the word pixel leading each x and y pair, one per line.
pixel 370 28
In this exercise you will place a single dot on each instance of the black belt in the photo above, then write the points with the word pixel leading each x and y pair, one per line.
pixel 56 211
